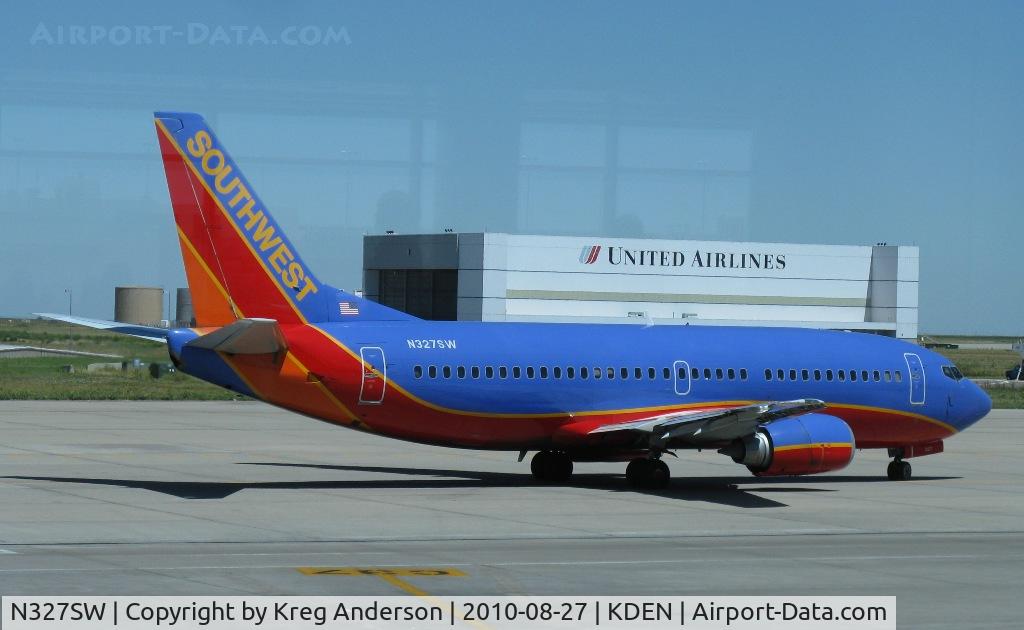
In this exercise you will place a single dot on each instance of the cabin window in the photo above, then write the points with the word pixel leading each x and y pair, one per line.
pixel 611 372
pixel 461 371
pixel 864 375
pixel 502 372
pixel 732 374
pixel 476 371
pixel 899 376
pixel 853 376
pixel 624 373
pixel 792 375
pixel 828 375
pixel 432 371
pixel 556 372
pixel 780 374
pixel 842 375
pixel 638 373
pixel 584 372
pixel 417 371
pixel 817 375
pixel 489 371
pixel 743 374
pixel 681 373
pixel 719 374
pixel 530 373
pixel 767 374
pixel 650 373
pixel 888 376
pixel 543 371
pixel 877 377
pixel 805 375
pixel 666 373
pixel 597 373
pixel 707 374
pixel 570 372
pixel 952 372
pixel 694 373
pixel 516 372
pixel 447 371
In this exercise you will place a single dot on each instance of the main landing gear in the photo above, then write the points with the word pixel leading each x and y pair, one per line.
pixel 650 474
pixel 899 470
pixel 551 467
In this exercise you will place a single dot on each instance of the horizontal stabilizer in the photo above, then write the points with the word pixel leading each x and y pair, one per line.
pixel 245 336
pixel 143 332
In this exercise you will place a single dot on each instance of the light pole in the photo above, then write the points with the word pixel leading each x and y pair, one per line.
pixel 70 295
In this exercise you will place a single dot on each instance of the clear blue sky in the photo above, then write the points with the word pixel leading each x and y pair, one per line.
pixel 820 122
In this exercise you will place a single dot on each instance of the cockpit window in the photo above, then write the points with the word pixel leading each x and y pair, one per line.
pixel 952 372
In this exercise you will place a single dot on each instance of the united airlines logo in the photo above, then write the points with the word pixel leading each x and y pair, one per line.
pixel 701 259
pixel 589 254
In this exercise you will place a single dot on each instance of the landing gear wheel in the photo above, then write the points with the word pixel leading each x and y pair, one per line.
pixel 899 470
pixel 551 467
pixel 635 472
pixel 650 474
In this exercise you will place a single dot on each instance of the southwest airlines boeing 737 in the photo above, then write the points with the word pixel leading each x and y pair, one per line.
pixel 778 401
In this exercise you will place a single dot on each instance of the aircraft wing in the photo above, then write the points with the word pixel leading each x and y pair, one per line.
pixel 714 426
pixel 143 332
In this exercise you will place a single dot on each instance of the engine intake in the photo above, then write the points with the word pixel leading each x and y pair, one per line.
pixel 803 445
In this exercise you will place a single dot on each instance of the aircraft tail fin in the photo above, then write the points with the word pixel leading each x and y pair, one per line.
pixel 238 260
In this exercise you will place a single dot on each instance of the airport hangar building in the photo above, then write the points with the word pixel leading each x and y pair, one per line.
pixel 523 278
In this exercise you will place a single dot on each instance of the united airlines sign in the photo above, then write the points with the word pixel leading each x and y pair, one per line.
pixel 702 259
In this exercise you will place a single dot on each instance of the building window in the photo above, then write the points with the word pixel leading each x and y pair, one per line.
pixel 417 371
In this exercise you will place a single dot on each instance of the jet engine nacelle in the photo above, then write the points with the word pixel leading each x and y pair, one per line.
pixel 802 445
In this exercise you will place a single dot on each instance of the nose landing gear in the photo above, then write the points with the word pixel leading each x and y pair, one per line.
pixel 899 470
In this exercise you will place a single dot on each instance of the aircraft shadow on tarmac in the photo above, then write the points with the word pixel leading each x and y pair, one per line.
pixel 723 490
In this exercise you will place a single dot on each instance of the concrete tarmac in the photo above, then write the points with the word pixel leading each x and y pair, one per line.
pixel 132 498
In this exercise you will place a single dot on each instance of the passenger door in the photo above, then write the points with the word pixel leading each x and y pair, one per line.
pixel 375 375
pixel 917 380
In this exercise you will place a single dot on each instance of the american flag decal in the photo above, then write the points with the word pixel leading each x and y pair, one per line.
pixel 348 308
